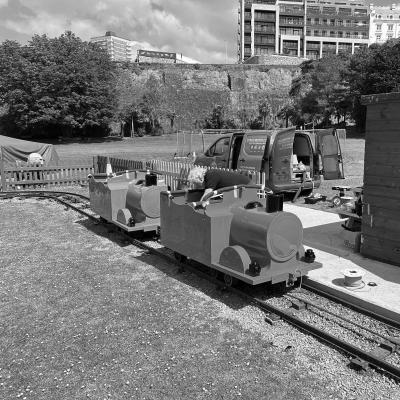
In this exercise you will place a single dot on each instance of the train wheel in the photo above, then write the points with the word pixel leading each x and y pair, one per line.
pixel 180 257
pixel 214 273
pixel 229 280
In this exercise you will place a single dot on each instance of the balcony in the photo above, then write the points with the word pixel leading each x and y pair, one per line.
pixel 291 12
pixel 265 18
pixel 360 27
pixel 313 46
pixel 286 22
pixel 264 30
pixel 290 45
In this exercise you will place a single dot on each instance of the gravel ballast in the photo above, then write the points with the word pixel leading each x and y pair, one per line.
pixel 85 315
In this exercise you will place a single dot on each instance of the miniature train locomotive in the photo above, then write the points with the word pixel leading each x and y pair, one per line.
pixel 235 235
pixel 131 200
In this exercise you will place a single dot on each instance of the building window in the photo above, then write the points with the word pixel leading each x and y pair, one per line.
pixel 379 27
pixel 390 36
pixel 340 34
pixel 379 16
pixel 339 22
pixel 378 37
pixel 390 16
pixel 347 34
pixel 390 27
pixel 323 33
pixel 316 33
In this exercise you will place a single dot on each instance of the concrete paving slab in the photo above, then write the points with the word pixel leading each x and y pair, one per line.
pixel 379 291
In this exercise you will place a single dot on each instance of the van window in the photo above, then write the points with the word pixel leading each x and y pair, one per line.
pixel 219 148
pixel 255 146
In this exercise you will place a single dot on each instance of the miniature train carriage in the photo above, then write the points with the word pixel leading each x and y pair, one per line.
pixel 131 200
pixel 235 235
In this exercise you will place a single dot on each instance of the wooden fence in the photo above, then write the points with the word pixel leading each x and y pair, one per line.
pixel 25 177
pixel 174 172
pixel 117 164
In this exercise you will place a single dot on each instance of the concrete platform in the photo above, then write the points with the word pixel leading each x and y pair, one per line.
pixel 324 234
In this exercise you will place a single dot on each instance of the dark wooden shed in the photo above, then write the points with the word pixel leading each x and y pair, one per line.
pixel 381 211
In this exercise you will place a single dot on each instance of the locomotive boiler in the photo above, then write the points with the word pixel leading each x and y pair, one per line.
pixel 131 200
pixel 235 235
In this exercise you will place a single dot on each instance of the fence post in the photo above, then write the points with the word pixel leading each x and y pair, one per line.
pixel 96 164
pixel 2 173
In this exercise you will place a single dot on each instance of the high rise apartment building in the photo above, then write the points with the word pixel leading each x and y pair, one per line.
pixel 385 23
pixel 302 28
pixel 118 48
pixel 121 49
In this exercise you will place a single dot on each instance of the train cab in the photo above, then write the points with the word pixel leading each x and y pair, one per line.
pixel 130 200
pixel 235 235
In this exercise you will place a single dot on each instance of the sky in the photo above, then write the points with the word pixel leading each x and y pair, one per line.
pixel 204 30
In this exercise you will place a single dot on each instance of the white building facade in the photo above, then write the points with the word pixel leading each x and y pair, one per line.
pixel 118 48
pixel 121 49
pixel 385 23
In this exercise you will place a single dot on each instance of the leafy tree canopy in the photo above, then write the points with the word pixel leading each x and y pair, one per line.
pixel 55 86
pixel 330 88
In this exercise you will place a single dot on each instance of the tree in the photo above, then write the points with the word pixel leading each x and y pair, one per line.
pixel 373 70
pixel 321 91
pixel 57 85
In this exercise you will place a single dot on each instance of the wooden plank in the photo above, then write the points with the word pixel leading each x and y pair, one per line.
pixel 387 172
pixel 377 125
pixel 380 233
pixel 382 249
pixel 374 190
pixel 383 111
pixel 378 135
pixel 382 222
pixel 381 180
pixel 382 146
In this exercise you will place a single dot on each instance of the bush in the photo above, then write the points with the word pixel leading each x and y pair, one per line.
pixel 158 131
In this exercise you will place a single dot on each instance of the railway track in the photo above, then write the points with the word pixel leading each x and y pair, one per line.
pixel 306 310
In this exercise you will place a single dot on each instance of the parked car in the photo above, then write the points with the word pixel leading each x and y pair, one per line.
pixel 288 157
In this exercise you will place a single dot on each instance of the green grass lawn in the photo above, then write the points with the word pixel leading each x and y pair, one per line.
pixel 138 148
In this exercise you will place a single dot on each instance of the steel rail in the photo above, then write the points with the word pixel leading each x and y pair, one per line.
pixel 360 309
pixel 334 341
pixel 348 320
pixel 33 193
pixel 287 316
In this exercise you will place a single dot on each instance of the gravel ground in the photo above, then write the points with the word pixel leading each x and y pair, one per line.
pixel 84 315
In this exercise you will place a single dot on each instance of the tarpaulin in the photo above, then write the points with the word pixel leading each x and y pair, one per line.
pixel 16 149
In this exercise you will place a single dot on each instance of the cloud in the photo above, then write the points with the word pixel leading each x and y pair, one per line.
pixel 205 30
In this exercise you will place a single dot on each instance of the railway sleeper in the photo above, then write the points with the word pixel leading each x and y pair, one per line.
pixel 271 318
pixel 298 305
pixel 384 350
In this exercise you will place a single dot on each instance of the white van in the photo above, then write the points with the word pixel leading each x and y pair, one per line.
pixel 288 157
